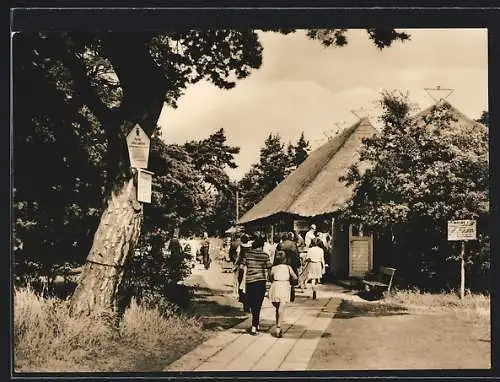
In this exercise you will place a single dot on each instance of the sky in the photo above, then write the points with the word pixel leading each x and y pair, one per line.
pixel 303 86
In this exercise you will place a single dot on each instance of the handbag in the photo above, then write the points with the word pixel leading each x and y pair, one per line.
pixel 294 280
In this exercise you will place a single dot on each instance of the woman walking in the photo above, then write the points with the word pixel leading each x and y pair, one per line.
pixel 315 264
pixel 239 271
pixel 257 264
pixel 281 275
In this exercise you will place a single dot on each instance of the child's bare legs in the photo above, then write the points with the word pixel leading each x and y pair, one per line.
pixel 281 314
pixel 313 286
pixel 276 314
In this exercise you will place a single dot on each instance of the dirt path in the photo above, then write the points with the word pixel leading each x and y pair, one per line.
pixel 212 302
pixel 361 335
pixel 401 339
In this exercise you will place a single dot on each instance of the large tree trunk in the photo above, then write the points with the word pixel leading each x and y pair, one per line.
pixel 114 241
pixel 144 85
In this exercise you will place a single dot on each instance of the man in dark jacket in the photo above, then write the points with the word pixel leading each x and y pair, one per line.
pixel 245 246
pixel 234 248
pixel 205 250
pixel 292 255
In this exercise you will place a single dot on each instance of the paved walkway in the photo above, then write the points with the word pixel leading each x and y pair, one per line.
pixel 236 350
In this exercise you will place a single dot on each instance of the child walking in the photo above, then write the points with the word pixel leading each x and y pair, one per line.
pixel 281 275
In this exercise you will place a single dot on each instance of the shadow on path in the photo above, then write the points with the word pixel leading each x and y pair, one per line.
pixel 350 309
pixel 215 310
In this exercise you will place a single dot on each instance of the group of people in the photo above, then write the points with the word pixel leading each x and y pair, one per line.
pixel 195 250
pixel 292 262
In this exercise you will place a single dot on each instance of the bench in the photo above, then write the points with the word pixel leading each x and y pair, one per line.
pixel 380 281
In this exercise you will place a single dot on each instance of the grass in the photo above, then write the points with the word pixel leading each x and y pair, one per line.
pixel 474 308
pixel 48 339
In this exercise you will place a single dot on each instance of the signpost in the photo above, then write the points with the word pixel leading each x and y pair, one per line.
pixel 144 182
pixel 138 147
pixel 300 225
pixel 138 150
pixel 462 230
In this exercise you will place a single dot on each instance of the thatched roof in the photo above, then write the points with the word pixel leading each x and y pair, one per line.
pixel 314 187
pixel 459 120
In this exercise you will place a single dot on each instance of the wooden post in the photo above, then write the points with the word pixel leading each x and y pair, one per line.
pixel 462 270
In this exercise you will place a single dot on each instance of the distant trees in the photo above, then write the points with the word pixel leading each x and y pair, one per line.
pixel 275 164
pixel 425 171
pixel 211 157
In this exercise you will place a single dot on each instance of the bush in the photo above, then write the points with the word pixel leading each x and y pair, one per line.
pixel 154 273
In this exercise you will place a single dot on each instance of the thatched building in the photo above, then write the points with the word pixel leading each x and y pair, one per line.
pixel 313 193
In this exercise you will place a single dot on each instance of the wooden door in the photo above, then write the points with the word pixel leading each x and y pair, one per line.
pixel 360 252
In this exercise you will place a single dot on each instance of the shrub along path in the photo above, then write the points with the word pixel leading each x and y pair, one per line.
pixel 338 331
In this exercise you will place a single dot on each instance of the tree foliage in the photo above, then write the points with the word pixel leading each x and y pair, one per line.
pixel 275 164
pixel 212 156
pixel 300 151
pixel 76 96
pixel 417 174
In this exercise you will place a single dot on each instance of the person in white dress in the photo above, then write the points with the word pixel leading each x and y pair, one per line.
pixel 193 249
pixel 269 249
pixel 310 235
pixel 279 293
pixel 315 264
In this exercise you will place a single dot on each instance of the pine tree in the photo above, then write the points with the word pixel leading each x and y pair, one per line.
pixel 290 153
pixel 264 176
pixel 301 151
pixel 273 162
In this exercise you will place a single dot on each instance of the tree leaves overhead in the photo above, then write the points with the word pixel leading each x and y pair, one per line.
pixel 219 56
pixel 384 37
pixel 381 37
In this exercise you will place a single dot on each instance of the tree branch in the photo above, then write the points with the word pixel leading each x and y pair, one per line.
pixel 144 95
pixel 81 83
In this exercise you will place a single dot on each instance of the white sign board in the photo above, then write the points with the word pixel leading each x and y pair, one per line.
pixel 138 147
pixel 300 225
pixel 144 184
pixel 461 230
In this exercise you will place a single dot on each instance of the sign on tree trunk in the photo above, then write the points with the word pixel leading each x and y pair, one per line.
pixel 144 182
pixel 138 147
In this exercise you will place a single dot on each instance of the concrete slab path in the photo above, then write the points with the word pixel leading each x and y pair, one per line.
pixel 236 350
